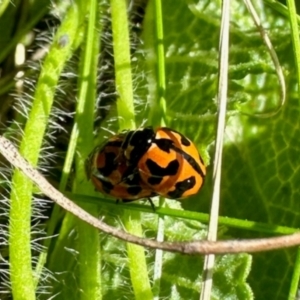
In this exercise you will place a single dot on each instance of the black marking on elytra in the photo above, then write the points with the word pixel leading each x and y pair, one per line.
pixel 110 164
pixel 164 144
pixel 134 190
pixel 141 141
pixel 190 160
pixel 181 187
pixel 106 186
pixel 201 159
pixel 157 172
pixel 154 180
pixel 183 140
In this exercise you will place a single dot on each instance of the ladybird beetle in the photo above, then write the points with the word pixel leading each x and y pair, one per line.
pixel 110 174
pixel 168 162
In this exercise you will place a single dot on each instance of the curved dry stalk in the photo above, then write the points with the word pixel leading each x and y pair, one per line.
pixel 9 151
pixel 274 58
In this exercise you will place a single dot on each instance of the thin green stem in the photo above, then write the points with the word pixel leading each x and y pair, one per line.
pixel 190 215
pixel 281 8
pixel 88 237
pixel 132 220
pixel 21 273
pixel 295 278
pixel 296 45
pixel 159 110
pixel 295 36
pixel 161 72
pixel 121 47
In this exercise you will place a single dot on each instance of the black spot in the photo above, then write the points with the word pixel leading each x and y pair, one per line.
pixel 106 186
pixel 181 187
pixel 110 164
pixel 170 170
pixel 184 141
pixel 164 144
pixel 154 180
pixel 157 172
pixel 134 190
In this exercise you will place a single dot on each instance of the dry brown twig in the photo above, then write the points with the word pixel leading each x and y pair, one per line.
pixel 9 151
